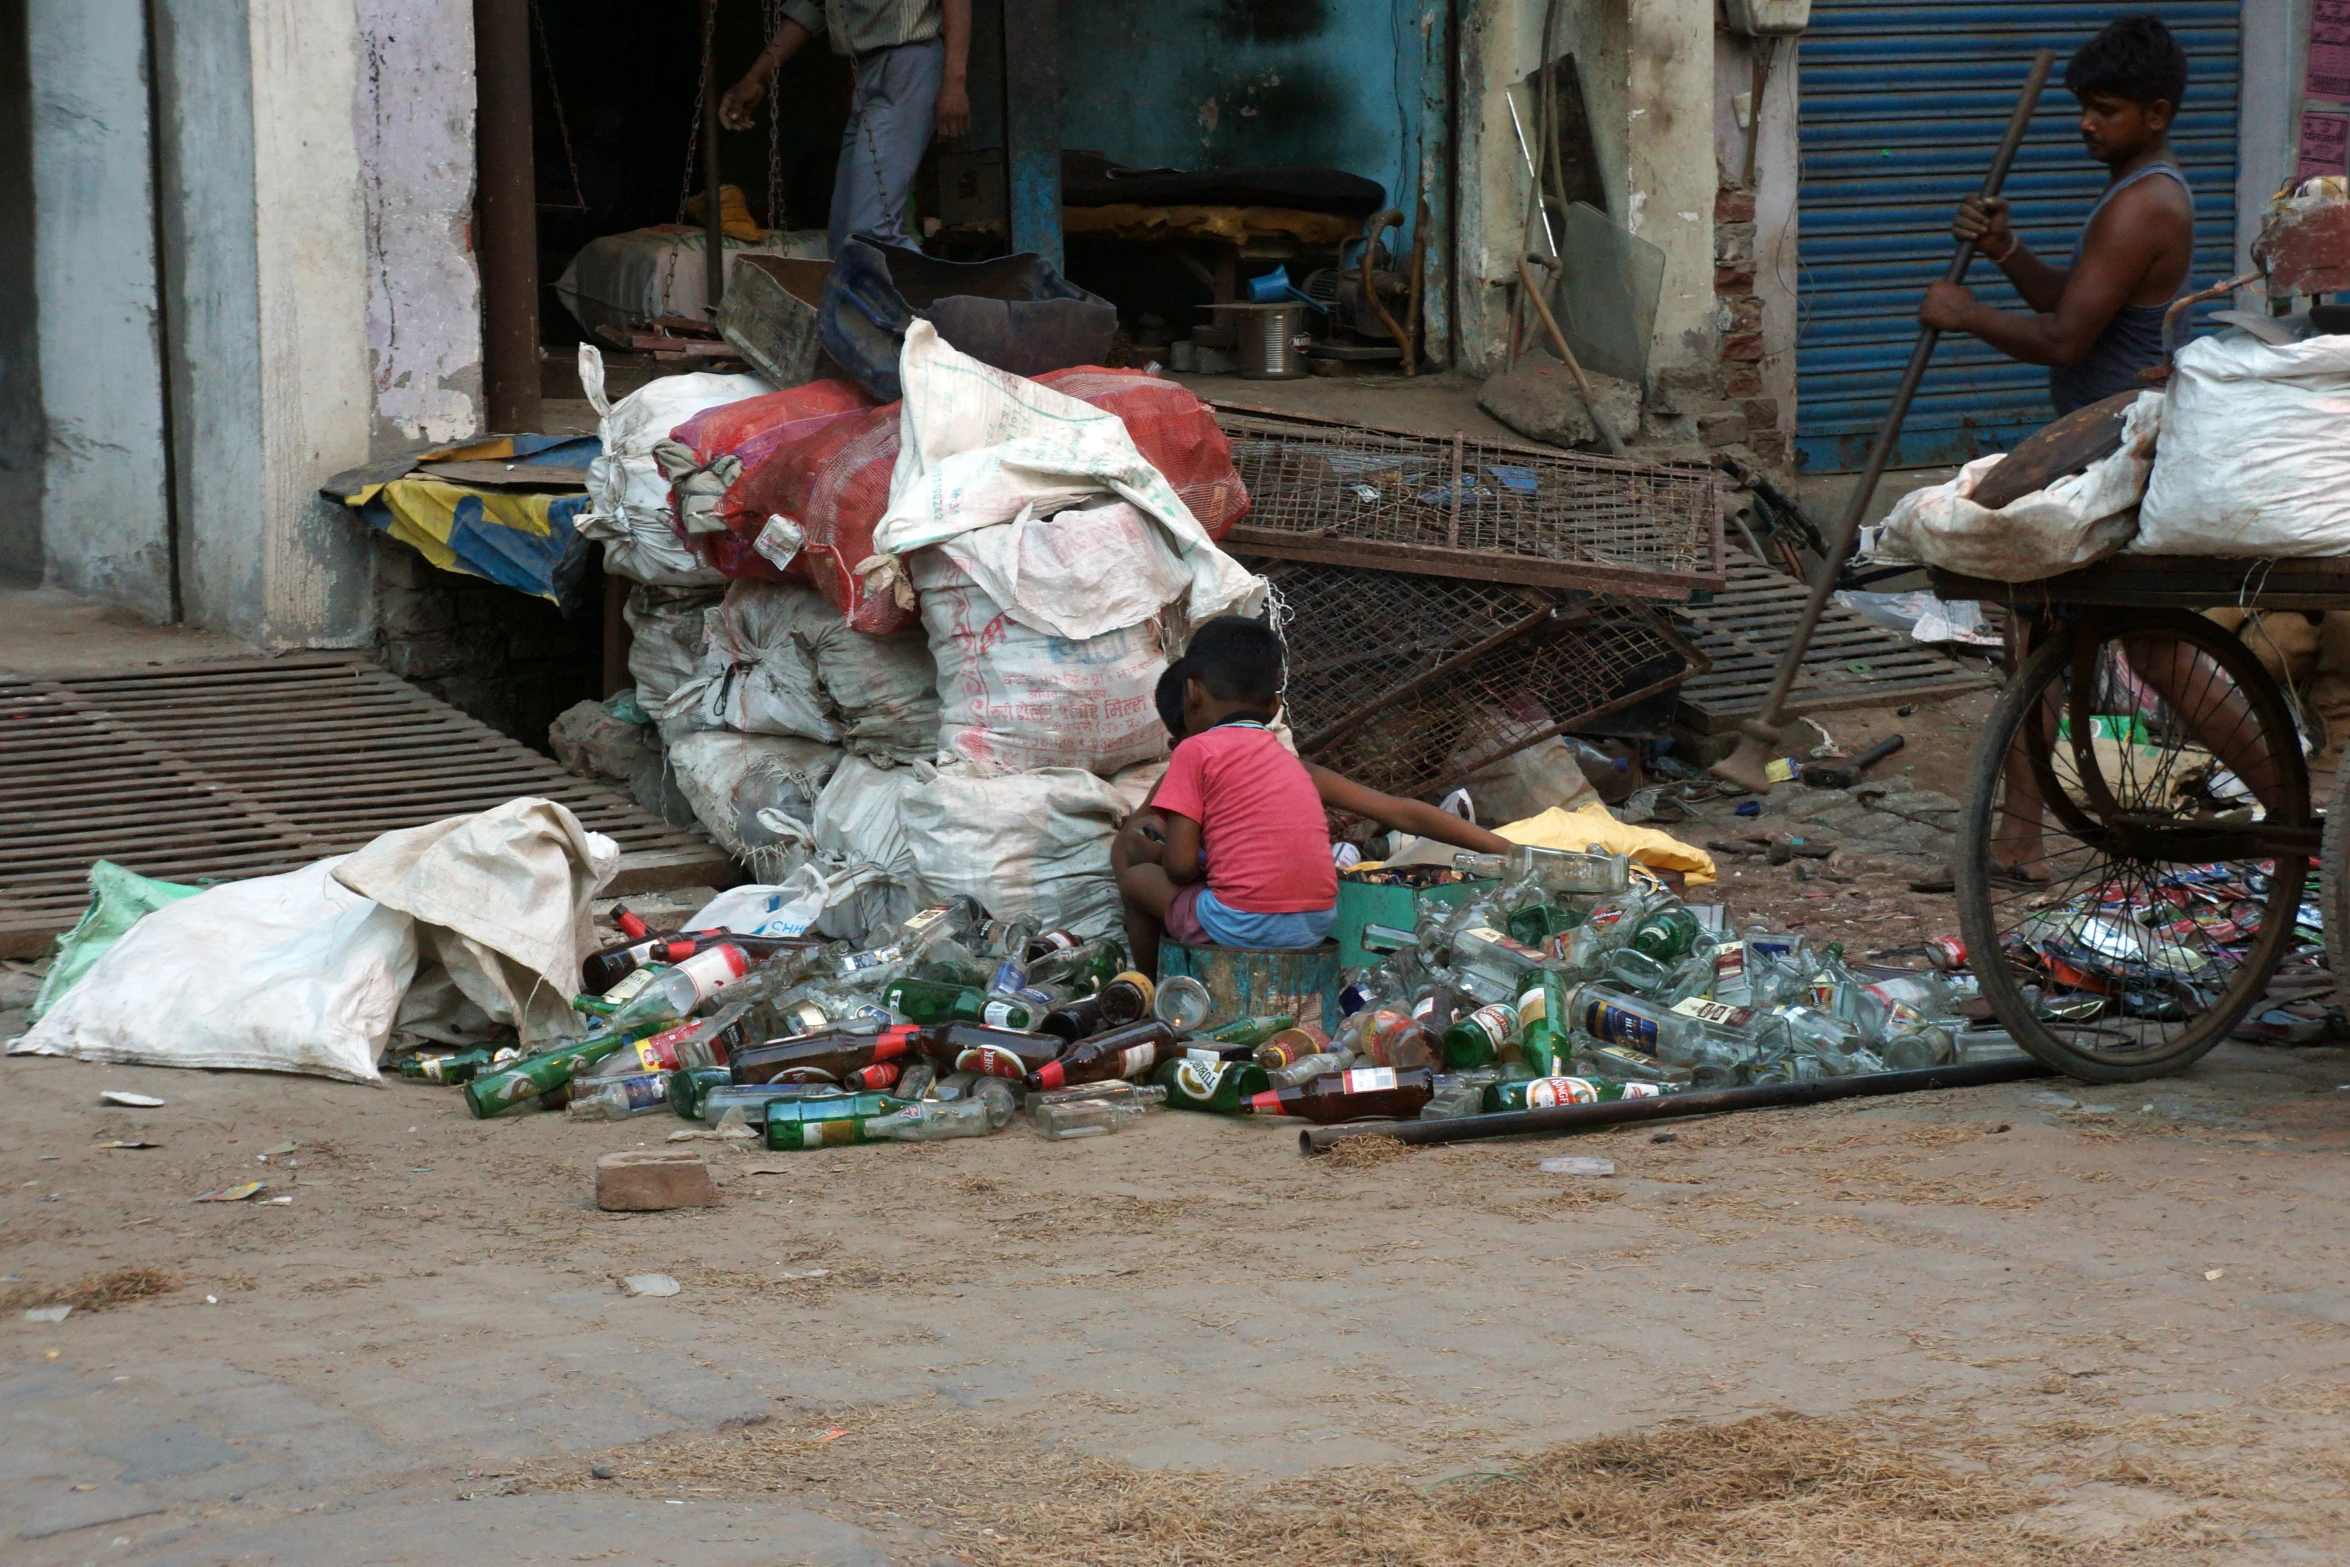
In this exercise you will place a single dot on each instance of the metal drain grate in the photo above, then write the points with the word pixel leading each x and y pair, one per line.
pixel 249 768
pixel 1853 662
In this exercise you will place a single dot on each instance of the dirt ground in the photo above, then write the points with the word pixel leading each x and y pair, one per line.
pixel 2028 1323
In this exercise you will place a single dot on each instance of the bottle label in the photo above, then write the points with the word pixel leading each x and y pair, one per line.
pixel 803 1074
pixel 714 970
pixel 806 1018
pixel 1730 962
pixel 434 1066
pixel 1545 1092
pixel 1203 1056
pixel 1533 1007
pixel 1005 1014
pixel 991 1061
pixel 1197 1079
pixel 879 957
pixel 632 984
pixel 1370 1079
pixel 1498 1024
pixel 1714 1012
pixel 1503 941
pixel 1603 1019
pixel 879 1075
pixel 1267 1103
pixel 894 1041
pixel 827 1134
pixel 1138 1058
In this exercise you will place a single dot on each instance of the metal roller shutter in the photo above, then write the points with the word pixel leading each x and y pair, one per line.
pixel 1902 107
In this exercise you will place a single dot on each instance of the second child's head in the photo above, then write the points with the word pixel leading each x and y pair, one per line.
pixel 1233 669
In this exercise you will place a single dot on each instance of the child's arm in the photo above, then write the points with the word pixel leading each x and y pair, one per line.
pixel 1180 858
pixel 1401 815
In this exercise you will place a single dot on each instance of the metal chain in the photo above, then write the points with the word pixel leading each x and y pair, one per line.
pixel 775 213
pixel 538 23
pixel 693 128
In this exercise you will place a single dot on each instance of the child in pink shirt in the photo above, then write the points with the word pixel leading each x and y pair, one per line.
pixel 1234 792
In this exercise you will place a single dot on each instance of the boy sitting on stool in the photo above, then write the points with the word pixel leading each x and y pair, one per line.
pixel 1234 789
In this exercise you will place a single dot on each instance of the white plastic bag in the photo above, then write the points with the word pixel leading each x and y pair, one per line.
pixel 2253 459
pixel 1017 699
pixel 756 794
pixel 291 973
pixel 1033 845
pixel 628 499
pixel 2071 523
pixel 753 674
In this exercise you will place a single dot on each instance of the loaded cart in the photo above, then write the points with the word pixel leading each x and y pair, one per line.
pixel 2138 836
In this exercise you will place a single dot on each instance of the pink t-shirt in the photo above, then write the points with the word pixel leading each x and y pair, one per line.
pixel 1260 818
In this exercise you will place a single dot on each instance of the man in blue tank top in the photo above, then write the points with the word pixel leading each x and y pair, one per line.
pixel 2096 321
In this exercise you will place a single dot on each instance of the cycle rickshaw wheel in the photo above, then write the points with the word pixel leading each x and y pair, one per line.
pixel 2157 893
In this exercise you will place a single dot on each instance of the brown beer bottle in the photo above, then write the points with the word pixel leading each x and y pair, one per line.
pixel 1349 1096
pixel 820 1058
pixel 1125 999
pixel 991 1052
pixel 1122 1052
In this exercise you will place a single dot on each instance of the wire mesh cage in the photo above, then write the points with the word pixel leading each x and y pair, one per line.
pixel 1360 639
pixel 1485 510
pixel 1412 684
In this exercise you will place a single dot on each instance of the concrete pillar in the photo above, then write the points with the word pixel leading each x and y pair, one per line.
pixel 1762 236
pixel 21 426
pixel 1647 68
pixel 103 470
pixel 416 158
pixel 2275 68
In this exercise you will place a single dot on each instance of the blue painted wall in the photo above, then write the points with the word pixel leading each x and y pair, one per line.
pixel 1205 84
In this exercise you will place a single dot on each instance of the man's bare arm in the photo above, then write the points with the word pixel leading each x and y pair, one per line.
pixel 1400 815
pixel 1985 221
pixel 2121 246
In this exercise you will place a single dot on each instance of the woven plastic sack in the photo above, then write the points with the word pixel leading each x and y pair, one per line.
pixel 1033 845
pixel 753 675
pixel 667 635
pixel 831 484
pixel 756 794
pixel 1016 699
pixel 119 899
pixel 881 692
pixel 628 499
pixel 1174 430
pixel 2252 459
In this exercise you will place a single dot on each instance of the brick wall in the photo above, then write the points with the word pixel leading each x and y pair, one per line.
pixel 497 655
pixel 1739 319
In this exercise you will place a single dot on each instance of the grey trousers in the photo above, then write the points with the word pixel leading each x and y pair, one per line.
pixel 888 131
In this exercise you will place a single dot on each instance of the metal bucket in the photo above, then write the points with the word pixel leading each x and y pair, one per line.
pixel 1268 343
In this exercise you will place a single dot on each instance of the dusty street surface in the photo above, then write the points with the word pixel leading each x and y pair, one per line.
pixel 2030 1323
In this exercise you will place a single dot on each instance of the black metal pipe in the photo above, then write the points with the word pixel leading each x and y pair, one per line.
pixel 506 215
pixel 1665 1107
pixel 713 211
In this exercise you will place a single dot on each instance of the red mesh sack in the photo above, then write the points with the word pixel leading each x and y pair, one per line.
pixel 1175 432
pixel 761 431
pixel 834 482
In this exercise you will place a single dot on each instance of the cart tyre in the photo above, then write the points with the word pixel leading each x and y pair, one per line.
pixel 1977 913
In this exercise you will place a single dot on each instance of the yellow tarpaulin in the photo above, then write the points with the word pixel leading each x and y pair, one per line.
pixel 1558 828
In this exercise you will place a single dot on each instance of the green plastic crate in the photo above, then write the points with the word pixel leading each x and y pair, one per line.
pixel 1363 903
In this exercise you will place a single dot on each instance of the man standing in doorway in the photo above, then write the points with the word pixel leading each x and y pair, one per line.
pixel 2097 320
pixel 910 58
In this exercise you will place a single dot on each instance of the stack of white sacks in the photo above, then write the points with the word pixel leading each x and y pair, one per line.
pixel 991 752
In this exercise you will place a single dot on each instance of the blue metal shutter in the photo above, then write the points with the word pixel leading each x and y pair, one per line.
pixel 1902 108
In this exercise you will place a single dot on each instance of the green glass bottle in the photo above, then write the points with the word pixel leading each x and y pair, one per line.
pixel 1543 1093
pixel 1480 1038
pixel 690 1085
pixel 1536 923
pixel 1667 935
pixel 1250 1031
pixel 1542 1034
pixel 516 1086
pixel 463 1067
pixel 830 1122
pixel 1218 1086
pixel 932 1003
